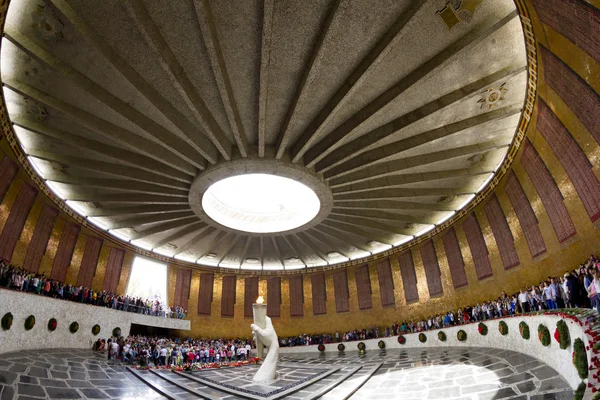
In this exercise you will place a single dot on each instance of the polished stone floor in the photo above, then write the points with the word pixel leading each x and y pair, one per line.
pixel 474 373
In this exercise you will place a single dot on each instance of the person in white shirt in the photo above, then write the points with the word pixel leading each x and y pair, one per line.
pixel 524 301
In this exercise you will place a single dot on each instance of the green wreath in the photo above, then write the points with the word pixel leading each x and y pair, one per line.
pixel 341 347
pixel 422 338
pixel 580 358
pixel 482 328
pixel 7 321
pixel 564 338
pixel 29 323
pixel 74 327
pixel 503 328
pixel 52 323
pixel 401 339
pixel 543 335
pixel 441 336
pixel 116 332
pixel 361 346
pixel 96 329
pixel 381 344
pixel 524 330
pixel 461 336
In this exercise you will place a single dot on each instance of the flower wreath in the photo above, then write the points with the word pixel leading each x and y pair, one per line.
pixel 482 328
pixel 543 335
pixel 361 346
pixel 116 332
pixel 95 330
pixel 74 327
pixel 580 358
pixel 381 344
pixel 461 336
pixel 561 334
pixel 441 336
pixel 422 338
pixel 7 321
pixel 321 347
pixel 341 347
pixel 503 328
pixel 401 339
pixel 29 323
pixel 52 323
pixel 524 330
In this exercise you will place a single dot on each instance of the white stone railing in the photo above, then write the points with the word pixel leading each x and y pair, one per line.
pixel 552 355
pixel 22 305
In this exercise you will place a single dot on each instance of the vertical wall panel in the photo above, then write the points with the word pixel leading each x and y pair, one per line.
pixel 113 270
pixel 250 295
pixel 16 220
pixel 274 296
pixel 319 293
pixel 386 283
pixel 572 158
pixel 432 269
pixel 296 296
pixel 228 296
pixel 409 277
pixel 548 192
pixel 8 171
pixel 478 247
pixel 502 233
pixel 182 288
pixel 89 261
pixel 62 260
pixel 455 259
pixel 205 293
pixel 363 287
pixel 39 240
pixel 525 215
pixel 340 286
pixel 574 91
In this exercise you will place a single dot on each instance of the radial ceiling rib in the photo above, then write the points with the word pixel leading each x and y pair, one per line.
pixel 348 227
pixel 147 219
pixel 265 61
pixel 360 221
pixel 219 236
pixel 343 238
pixel 137 210
pixel 372 59
pixel 290 242
pixel 229 243
pixel 321 242
pixel 158 101
pixel 245 251
pixel 358 145
pixel 204 233
pixel 391 205
pixel 168 139
pixel 470 39
pixel 163 227
pixel 383 215
pixel 113 132
pixel 195 227
pixel 118 154
pixel 388 168
pixel 405 179
pixel 119 184
pixel 210 37
pixel 376 155
pixel 175 72
pixel 387 194
pixel 104 197
pixel 277 251
pixel 310 243
pixel 308 75
pixel 261 253
pixel 111 169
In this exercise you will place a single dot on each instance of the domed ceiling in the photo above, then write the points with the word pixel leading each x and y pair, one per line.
pixel 394 113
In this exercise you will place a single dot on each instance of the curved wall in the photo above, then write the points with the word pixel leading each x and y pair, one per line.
pixel 546 206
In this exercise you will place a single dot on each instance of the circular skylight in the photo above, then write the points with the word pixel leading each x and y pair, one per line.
pixel 260 203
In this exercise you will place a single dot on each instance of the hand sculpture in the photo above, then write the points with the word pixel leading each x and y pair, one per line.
pixel 267 372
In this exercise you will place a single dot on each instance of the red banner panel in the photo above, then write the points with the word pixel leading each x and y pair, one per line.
pixel 455 259
pixel 228 296
pixel 340 286
pixel 478 247
pixel 113 270
pixel 16 221
pixel 319 294
pixel 409 277
pixel 205 293
pixel 548 192
pixel 250 295
pixel 572 158
pixel 386 283
pixel 296 296
pixel 363 287
pixel 64 254
pixel 432 269
pixel 502 233
pixel 89 261
pixel 274 296
pixel 8 171
pixel 182 288
pixel 525 215
pixel 575 92
pixel 40 238
pixel 576 20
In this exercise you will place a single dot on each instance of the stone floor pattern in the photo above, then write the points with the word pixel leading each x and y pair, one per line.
pixel 473 373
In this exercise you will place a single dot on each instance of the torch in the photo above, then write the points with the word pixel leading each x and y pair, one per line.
pixel 260 319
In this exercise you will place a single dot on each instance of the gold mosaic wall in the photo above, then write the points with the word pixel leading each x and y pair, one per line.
pixel 558 258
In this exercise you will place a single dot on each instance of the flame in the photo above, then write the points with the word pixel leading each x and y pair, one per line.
pixel 260 300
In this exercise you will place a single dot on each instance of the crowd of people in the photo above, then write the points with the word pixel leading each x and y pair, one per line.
pixel 160 351
pixel 12 277
pixel 579 288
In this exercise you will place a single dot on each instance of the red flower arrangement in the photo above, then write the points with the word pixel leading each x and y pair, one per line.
pixel 557 336
pixel 52 324
pixel 401 339
pixel 197 367
pixel 321 347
